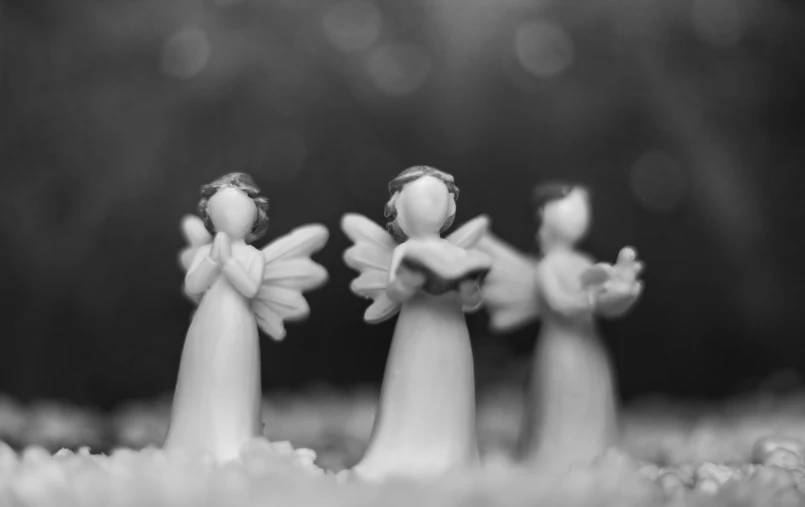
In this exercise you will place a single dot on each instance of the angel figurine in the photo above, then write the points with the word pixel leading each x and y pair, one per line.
pixel 425 424
pixel 570 410
pixel 217 406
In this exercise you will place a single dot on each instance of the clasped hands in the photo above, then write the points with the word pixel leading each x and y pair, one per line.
pixel 221 252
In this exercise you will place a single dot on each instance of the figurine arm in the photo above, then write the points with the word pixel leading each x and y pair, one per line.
pixel 202 273
pixel 247 281
pixel 563 301
pixel 616 303
pixel 402 283
pixel 396 260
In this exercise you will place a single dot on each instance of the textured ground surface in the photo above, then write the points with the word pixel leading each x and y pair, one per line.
pixel 742 453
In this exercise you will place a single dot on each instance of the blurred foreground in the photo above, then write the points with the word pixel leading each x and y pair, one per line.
pixel 679 455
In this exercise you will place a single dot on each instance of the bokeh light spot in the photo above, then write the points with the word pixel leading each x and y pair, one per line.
pixel 658 182
pixel 187 53
pixel 543 48
pixel 282 155
pixel 718 22
pixel 352 25
pixel 398 69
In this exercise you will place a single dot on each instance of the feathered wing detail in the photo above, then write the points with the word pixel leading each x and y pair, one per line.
pixel 196 236
pixel 510 289
pixel 370 255
pixel 289 272
pixel 468 235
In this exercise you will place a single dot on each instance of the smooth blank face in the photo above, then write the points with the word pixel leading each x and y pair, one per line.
pixel 568 219
pixel 232 212
pixel 423 206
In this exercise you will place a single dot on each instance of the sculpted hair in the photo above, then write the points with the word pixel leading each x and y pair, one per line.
pixel 407 176
pixel 547 193
pixel 244 183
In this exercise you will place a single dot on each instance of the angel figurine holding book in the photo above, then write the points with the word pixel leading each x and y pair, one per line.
pixel 570 410
pixel 425 423
pixel 217 406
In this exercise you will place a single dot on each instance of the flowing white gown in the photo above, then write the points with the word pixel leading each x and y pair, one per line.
pixel 218 400
pixel 217 405
pixel 425 422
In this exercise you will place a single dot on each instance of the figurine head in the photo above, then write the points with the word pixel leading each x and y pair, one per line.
pixel 422 203
pixel 563 214
pixel 233 204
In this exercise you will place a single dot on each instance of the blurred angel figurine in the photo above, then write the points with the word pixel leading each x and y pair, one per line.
pixel 217 406
pixel 570 410
pixel 425 424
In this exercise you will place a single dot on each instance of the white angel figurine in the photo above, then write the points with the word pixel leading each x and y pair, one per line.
pixel 570 413
pixel 425 423
pixel 217 406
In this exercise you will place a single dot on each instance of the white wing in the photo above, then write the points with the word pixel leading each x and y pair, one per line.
pixel 468 235
pixel 370 255
pixel 510 289
pixel 196 235
pixel 288 273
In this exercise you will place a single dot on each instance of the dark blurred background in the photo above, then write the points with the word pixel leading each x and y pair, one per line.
pixel 685 117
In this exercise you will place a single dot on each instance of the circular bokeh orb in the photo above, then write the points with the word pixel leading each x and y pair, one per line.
pixel 352 25
pixel 543 48
pixel 186 53
pixel 398 70
pixel 658 182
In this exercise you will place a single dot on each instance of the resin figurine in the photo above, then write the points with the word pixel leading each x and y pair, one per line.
pixel 425 424
pixel 217 406
pixel 570 410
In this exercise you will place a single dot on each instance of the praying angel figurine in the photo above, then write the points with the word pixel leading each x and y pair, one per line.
pixel 570 409
pixel 217 406
pixel 425 424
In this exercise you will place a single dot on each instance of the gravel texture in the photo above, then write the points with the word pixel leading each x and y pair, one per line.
pixel 748 452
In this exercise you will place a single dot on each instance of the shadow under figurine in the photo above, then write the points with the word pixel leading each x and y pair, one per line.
pixel 425 423
pixel 217 406
pixel 570 413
